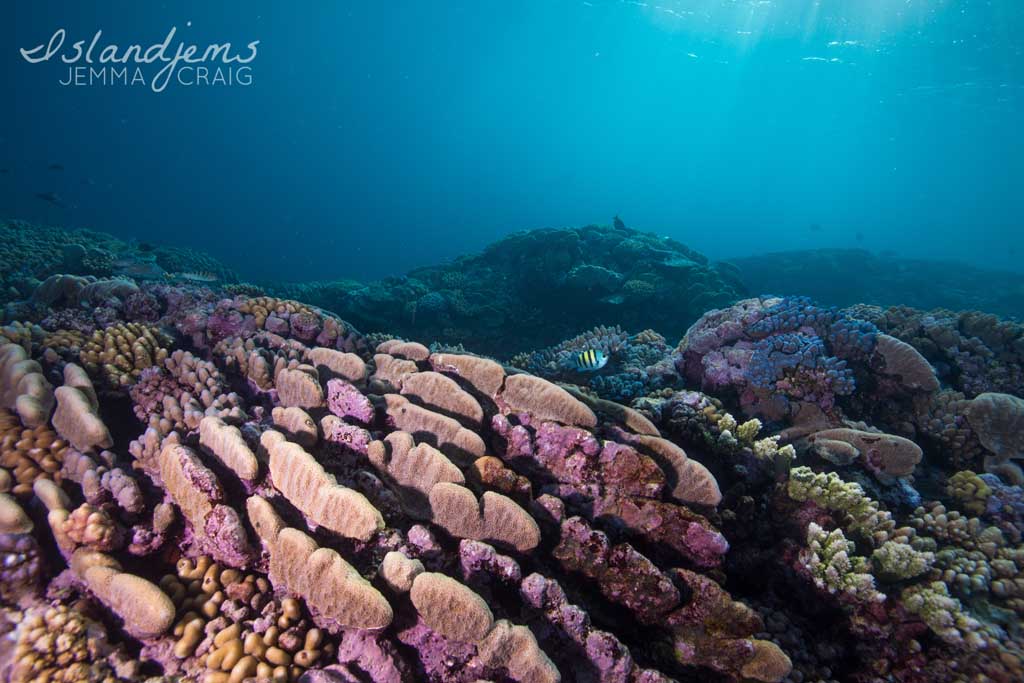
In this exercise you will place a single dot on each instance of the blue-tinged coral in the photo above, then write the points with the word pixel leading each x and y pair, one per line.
pixel 799 366
pixel 637 364
pixel 846 336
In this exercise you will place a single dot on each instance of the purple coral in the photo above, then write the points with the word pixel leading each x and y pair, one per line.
pixel 346 401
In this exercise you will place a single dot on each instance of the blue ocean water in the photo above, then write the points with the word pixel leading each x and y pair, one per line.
pixel 375 137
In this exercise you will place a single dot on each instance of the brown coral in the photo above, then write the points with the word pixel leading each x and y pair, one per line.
pixel 544 401
pixel 120 353
pixel 298 386
pixel 483 374
pixel 29 454
pixel 998 420
pixel 296 424
pixel 437 392
pixel 331 363
pixel 514 648
pixel 444 433
pixel 886 453
pixel 226 442
pixel 451 608
pixel 306 484
pixel 13 519
pixel 416 469
pixel 494 518
pixel 146 610
pixel 331 587
pixel 23 388
pixel 904 362
pixel 77 420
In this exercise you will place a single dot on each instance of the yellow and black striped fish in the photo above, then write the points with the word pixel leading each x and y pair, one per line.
pixel 591 360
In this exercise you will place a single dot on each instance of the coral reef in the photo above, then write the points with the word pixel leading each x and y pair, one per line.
pixel 241 487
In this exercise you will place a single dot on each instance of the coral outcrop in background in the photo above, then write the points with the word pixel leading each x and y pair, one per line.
pixel 533 288
pixel 844 277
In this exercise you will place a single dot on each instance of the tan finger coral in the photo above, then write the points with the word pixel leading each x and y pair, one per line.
pixel 415 467
pixel 514 648
pixel 146 610
pixel 57 644
pixel 544 401
pixel 331 363
pixel 444 433
pixel 483 374
pixel 76 419
pixel 263 307
pixel 451 608
pixel 689 480
pixel 306 484
pixel 91 526
pixel 232 627
pixel 494 518
pixel 23 388
pixel 296 424
pixel 331 587
pixel 226 442
pixel 298 386
pixel 442 394
pixel 13 519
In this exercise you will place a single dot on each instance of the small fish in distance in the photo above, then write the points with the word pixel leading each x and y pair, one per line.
pixel 51 197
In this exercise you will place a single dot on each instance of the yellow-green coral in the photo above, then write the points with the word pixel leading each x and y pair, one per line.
pixel 863 515
pixel 726 423
pixel 944 614
pixel 895 561
pixel 974 559
pixel 831 561
pixel 969 490
pixel 748 431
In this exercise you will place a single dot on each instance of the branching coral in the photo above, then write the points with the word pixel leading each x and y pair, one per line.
pixel 830 559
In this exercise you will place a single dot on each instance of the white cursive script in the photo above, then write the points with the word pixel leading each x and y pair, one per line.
pixel 111 53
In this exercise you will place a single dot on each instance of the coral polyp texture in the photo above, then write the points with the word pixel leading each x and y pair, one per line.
pixel 217 486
